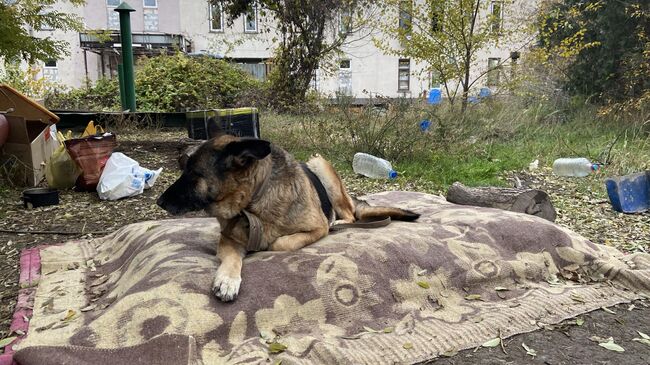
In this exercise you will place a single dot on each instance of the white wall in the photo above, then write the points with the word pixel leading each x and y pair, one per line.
pixel 371 70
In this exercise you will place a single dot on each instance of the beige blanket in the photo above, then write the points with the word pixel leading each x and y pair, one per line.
pixel 405 293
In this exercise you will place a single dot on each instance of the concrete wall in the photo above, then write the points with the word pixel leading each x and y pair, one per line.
pixel 370 69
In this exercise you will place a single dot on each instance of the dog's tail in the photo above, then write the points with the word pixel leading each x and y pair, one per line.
pixel 364 211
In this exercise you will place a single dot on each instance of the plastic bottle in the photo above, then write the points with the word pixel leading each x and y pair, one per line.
pixel 371 166
pixel 579 167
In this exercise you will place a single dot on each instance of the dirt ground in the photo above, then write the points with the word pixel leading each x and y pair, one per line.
pixel 581 205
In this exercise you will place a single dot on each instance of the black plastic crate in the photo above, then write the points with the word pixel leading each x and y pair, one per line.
pixel 241 122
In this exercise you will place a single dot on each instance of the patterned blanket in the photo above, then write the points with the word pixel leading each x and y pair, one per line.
pixel 409 292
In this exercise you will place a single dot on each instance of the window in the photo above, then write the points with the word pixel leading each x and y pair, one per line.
pixel 250 20
pixel 494 71
pixel 436 14
pixel 112 3
pixel 405 11
pixel 216 18
pixel 150 3
pixel 345 21
pixel 150 18
pixel 435 80
pixel 345 77
pixel 50 70
pixel 496 15
pixel 46 25
pixel 404 74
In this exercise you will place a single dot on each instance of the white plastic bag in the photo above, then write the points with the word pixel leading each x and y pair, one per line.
pixel 123 177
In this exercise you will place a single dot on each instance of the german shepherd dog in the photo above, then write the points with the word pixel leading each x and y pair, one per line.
pixel 250 182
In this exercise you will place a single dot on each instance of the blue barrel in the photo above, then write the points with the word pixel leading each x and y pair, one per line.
pixel 629 193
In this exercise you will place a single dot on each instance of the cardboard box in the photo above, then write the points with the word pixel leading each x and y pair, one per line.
pixel 32 138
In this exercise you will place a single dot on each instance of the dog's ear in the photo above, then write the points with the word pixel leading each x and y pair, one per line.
pixel 214 130
pixel 240 154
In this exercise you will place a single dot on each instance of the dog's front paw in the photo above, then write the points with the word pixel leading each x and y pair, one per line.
pixel 226 288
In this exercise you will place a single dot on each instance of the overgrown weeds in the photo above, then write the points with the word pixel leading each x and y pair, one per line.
pixel 492 137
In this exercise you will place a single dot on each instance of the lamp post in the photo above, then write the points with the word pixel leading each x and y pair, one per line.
pixel 126 39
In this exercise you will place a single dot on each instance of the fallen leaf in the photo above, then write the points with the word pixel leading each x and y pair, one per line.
pixel 501 288
pixel 577 297
pixel 449 353
pixel 20 332
pixel 408 346
pixel 88 308
pixel 371 330
pixel 276 348
pixel 643 335
pixel 388 329
pixel 610 345
pixel 424 284
pixel 608 310
pixel 268 337
pixel 492 343
pixel 529 351
pixel 422 272
pixel 580 321
pixel 473 297
pixel 6 341
pixel 642 340
pixel 69 315
pixel 600 339
pixel 631 307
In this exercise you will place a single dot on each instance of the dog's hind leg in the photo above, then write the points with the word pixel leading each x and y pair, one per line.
pixel 299 240
pixel 341 201
pixel 228 279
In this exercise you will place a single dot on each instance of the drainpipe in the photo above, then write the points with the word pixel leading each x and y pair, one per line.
pixel 127 56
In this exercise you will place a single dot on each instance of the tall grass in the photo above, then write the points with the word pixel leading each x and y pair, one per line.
pixel 475 148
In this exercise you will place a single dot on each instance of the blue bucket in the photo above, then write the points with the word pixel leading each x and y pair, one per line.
pixel 629 193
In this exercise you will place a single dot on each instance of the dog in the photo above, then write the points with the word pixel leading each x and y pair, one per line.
pixel 264 199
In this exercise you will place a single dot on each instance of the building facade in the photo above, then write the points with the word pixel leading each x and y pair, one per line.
pixel 199 27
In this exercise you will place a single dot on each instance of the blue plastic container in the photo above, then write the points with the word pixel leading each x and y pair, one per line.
pixel 435 96
pixel 630 193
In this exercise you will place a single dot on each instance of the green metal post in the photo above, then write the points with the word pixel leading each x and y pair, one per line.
pixel 127 55
pixel 120 78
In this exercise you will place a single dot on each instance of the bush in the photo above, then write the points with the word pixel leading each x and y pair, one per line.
pixel 166 84
pixel 104 95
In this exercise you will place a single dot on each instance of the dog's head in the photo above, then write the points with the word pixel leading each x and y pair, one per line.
pixel 217 177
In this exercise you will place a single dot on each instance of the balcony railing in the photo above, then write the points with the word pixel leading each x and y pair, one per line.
pixel 142 42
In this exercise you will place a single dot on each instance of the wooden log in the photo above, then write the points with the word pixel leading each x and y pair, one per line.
pixel 529 201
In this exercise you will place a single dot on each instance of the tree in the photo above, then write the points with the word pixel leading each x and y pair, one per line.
pixel 603 48
pixel 309 32
pixel 20 18
pixel 446 35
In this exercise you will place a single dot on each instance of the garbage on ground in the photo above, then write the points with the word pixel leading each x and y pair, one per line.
pixel 578 167
pixel 533 165
pixel 435 96
pixel 629 193
pixel 31 137
pixel 425 125
pixel 373 167
pixel 123 177
pixel 61 172
pixel 39 197
pixel 91 154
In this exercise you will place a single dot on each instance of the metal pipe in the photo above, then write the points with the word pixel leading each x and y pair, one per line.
pixel 126 39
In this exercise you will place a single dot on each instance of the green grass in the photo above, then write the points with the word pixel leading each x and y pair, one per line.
pixel 488 142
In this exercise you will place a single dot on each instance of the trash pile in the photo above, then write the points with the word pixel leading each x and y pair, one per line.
pixel 31 149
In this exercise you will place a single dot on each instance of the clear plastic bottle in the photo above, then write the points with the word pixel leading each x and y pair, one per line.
pixel 371 166
pixel 579 167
